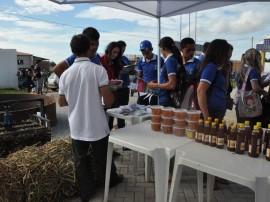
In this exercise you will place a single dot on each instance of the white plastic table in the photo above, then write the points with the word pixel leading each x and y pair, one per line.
pixel 242 169
pixel 159 146
pixel 133 119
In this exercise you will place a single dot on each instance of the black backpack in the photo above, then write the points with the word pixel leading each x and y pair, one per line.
pixel 177 95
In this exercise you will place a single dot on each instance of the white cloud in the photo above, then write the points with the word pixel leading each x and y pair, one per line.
pixel 7 17
pixel 42 7
pixel 38 25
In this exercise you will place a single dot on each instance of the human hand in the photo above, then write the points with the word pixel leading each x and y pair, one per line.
pixel 151 84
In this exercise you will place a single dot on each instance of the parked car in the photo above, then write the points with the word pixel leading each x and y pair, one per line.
pixel 53 82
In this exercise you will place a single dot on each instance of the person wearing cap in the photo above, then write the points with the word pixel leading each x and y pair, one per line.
pixel 147 71
pixel 93 36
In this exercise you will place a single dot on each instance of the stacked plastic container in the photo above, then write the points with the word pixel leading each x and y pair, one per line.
pixel 193 117
pixel 156 118
pixel 167 120
pixel 180 122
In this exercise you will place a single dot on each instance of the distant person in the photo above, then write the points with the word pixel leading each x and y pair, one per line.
pixel 87 82
pixel 93 36
pixel 191 63
pixel 147 71
pixel 38 77
pixel 205 47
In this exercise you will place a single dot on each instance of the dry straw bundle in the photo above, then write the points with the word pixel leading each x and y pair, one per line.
pixel 44 173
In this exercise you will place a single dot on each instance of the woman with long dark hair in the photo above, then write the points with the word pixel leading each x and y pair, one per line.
pixel 213 74
pixel 111 61
pixel 168 72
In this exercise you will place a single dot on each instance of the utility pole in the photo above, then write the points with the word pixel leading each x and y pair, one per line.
pixel 189 25
pixel 180 27
pixel 252 42
pixel 195 26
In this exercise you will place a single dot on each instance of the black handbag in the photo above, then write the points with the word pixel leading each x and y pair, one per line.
pixel 265 118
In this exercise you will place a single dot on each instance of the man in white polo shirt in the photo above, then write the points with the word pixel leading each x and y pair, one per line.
pixel 80 88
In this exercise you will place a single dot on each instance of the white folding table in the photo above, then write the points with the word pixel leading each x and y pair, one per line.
pixel 133 119
pixel 159 146
pixel 242 169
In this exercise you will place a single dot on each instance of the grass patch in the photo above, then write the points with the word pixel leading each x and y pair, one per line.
pixel 12 91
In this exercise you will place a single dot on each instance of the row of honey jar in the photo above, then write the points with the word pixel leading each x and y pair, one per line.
pixel 237 138
pixel 180 114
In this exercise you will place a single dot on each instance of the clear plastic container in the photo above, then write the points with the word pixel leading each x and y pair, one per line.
pixel 167 112
pixel 190 133
pixel 181 123
pixel 156 110
pixel 167 121
pixel 180 113
pixel 156 119
pixel 156 126
pixel 167 129
pixel 192 125
pixel 180 132
pixel 193 115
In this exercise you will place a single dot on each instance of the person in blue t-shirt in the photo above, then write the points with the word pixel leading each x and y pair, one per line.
pixel 205 47
pixel 191 63
pixel 168 72
pixel 213 73
pixel 251 58
pixel 147 71
pixel 93 36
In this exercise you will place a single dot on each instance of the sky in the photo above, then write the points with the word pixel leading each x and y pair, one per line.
pixel 44 28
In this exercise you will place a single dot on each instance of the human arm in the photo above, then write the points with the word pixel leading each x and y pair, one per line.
pixel 170 85
pixel 257 88
pixel 107 95
pixel 60 68
pixel 202 98
pixel 62 101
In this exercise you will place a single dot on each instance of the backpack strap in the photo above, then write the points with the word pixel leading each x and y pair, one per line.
pixel 245 83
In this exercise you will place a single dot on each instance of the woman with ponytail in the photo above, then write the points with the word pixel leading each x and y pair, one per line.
pixel 169 71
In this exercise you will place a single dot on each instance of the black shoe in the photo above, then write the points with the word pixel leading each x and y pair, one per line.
pixel 115 154
pixel 117 181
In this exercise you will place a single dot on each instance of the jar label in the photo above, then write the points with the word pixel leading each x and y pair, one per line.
pixel 214 139
pixel 232 144
pixel 268 152
pixel 199 136
pixel 242 146
pixel 203 137
pixel 249 148
pixel 228 143
pixel 258 150
pixel 206 138
pixel 220 141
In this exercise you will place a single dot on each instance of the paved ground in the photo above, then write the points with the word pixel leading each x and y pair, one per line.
pixel 135 189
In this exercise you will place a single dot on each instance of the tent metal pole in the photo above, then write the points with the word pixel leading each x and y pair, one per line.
pixel 158 51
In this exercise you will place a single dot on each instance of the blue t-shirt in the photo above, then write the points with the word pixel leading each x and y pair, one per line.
pixel 149 69
pixel 253 75
pixel 201 57
pixel 191 68
pixel 171 64
pixel 95 59
pixel 217 91
pixel 125 60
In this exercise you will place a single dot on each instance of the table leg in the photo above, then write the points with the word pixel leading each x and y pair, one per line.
pixel 200 185
pixel 161 161
pixel 135 162
pixel 147 167
pixel 108 170
pixel 262 188
pixel 210 187
pixel 177 173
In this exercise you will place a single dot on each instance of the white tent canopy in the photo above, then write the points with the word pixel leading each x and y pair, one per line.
pixel 157 8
